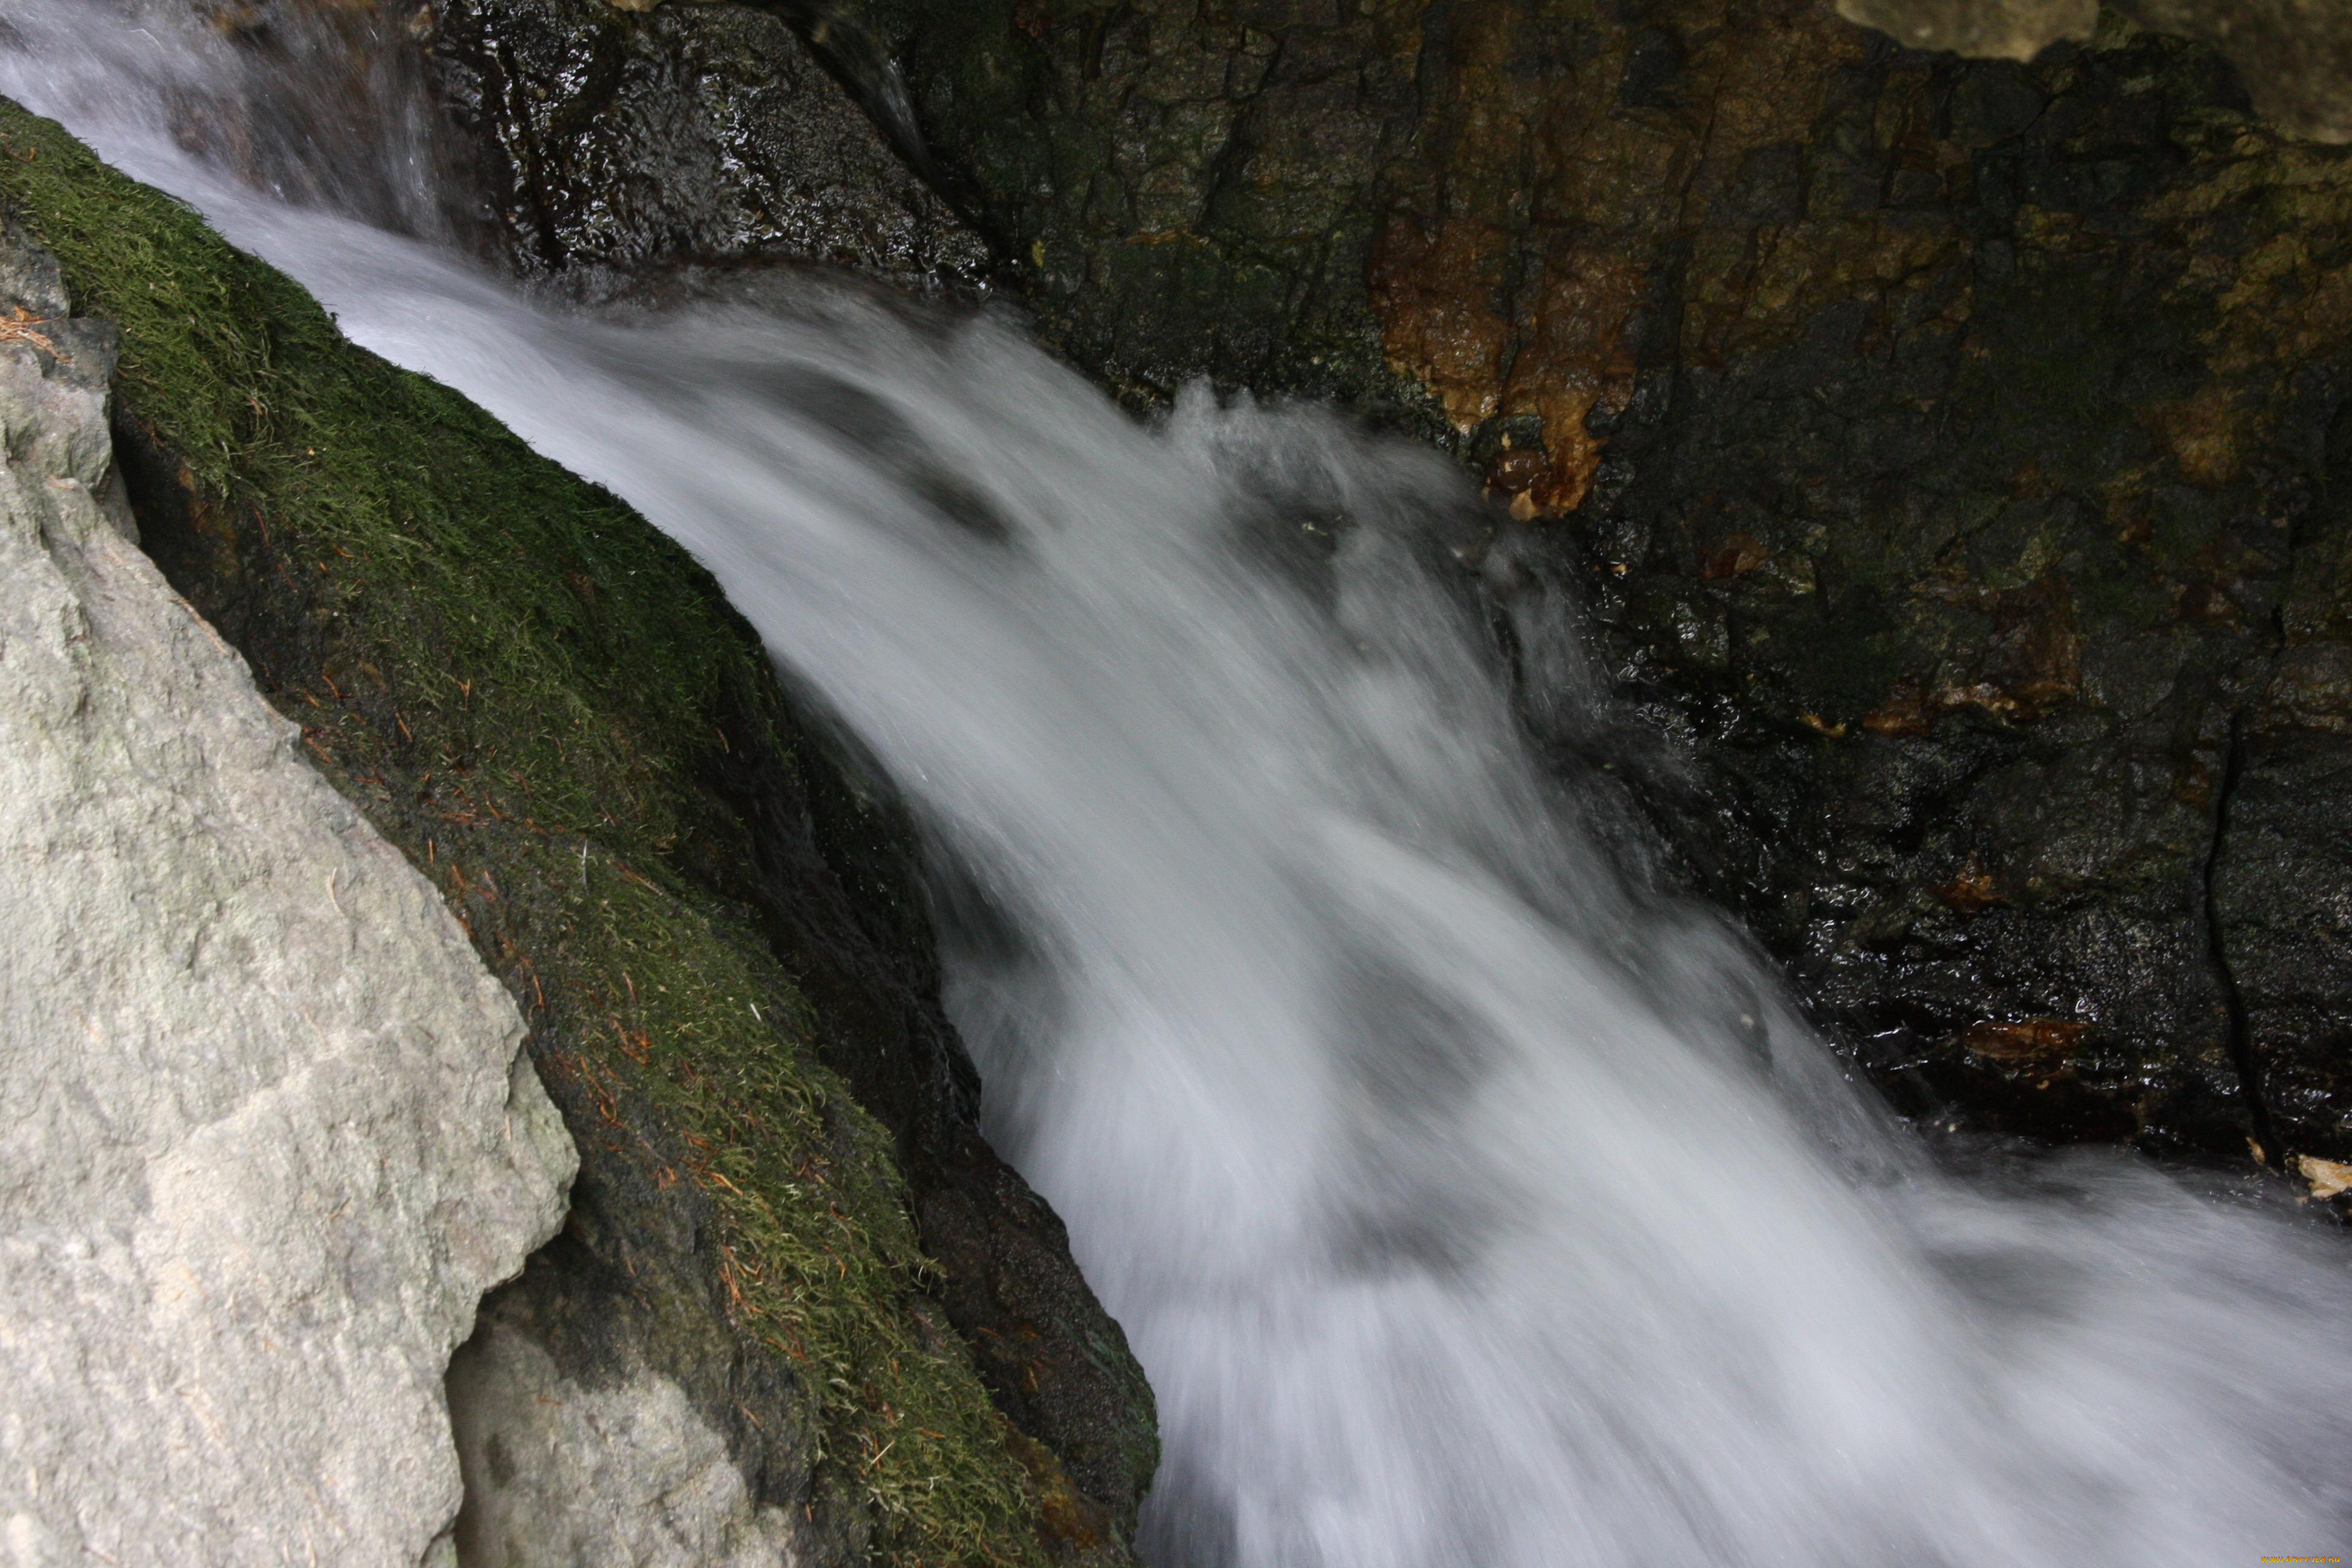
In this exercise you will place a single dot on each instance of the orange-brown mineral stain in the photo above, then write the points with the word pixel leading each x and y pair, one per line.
pixel 1539 207
pixel 1970 891
pixel 2026 1042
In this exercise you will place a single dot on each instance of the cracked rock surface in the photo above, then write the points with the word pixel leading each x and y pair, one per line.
pixel 269 1135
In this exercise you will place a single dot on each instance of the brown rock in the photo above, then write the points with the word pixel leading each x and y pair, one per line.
pixel 2029 1042
pixel 2327 1178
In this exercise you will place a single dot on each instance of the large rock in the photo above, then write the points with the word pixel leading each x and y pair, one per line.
pixel 725 965
pixel 603 139
pixel 270 1131
pixel 1949 455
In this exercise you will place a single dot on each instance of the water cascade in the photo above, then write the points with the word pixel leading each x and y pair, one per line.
pixel 1470 1203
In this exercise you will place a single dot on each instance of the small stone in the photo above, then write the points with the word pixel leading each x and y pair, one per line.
pixel 2328 1178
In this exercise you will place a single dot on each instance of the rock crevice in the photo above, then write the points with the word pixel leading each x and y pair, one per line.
pixel 2240 1033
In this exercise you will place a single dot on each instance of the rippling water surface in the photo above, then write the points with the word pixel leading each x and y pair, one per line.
pixel 1467 1206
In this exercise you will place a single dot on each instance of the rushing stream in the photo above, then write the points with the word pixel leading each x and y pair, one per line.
pixel 1469 1207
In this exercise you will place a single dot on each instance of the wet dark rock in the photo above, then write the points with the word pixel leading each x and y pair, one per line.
pixel 1935 443
pixel 2282 879
pixel 1947 453
pixel 1054 1363
pixel 604 141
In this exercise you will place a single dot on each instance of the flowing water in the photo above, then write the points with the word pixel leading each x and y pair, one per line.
pixel 1469 1206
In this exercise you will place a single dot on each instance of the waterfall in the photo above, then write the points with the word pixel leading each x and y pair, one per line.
pixel 1471 1203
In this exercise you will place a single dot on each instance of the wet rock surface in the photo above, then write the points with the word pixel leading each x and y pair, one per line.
pixel 1218 162
pixel 1949 454
pixel 603 139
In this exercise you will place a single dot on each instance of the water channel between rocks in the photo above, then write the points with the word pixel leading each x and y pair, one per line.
pixel 1467 1202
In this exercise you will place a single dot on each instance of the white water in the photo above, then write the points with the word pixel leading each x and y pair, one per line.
pixel 1456 1214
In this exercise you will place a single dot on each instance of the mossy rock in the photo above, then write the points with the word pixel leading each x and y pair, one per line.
pixel 550 707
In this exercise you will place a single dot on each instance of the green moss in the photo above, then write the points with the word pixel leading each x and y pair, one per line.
pixel 426 518
pixel 527 687
pixel 677 1003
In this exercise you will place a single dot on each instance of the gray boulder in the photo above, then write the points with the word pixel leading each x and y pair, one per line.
pixel 622 1471
pixel 268 1137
